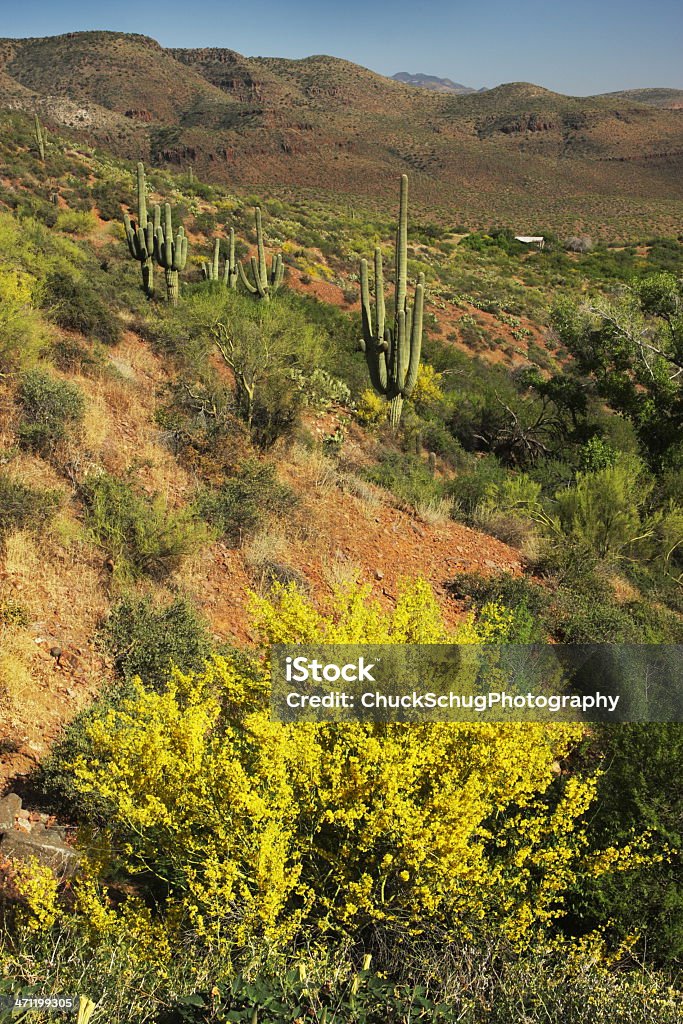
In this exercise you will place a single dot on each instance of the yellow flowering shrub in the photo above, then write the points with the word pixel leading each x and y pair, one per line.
pixel 371 408
pixel 37 888
pixel 427 390
pixel 258 828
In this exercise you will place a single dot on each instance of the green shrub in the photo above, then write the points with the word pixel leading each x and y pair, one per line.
pixel 74 304
pixel 50 409
pixel 471 486
pixel 23 507
pixel 146 640
pixel 407 477
pixel 506 589
pixel 141 534
pixel 602 509
pixel 320 389
pixel 437 438
pixel 636 792
pixel 75 222
pixel 22 334
pixel 244 503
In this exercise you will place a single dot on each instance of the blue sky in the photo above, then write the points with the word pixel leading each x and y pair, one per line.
pixel 575 46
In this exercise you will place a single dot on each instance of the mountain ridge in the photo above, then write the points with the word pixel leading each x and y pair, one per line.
pixel 432 82
pixel 325 123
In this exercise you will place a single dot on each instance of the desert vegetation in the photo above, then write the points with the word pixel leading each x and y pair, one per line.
pixel 184 483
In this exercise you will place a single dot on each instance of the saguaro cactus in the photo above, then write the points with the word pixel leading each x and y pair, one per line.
pixel 211 270
pixel 170 253
pixel 40 136
pixel 393 353
pixel 140 236
pixel 266 282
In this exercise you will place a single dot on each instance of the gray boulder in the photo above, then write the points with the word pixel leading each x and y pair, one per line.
pixel 46 845
pixel 9 805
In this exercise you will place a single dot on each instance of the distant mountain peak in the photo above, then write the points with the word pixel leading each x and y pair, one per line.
pixel 433 83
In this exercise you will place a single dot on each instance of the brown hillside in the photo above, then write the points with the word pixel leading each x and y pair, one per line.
pixel 328 124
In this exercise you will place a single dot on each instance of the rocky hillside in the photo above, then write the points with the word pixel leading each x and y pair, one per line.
pixel 326 124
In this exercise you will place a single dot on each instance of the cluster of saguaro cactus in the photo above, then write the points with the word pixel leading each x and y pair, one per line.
pixel 393 353
pixel 151 239
pixel 211 270
pixel 266 282
pixel 40 136
pixel 140 236
pixel 170 253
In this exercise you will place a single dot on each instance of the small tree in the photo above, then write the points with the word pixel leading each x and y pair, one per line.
pixel 262 344
pixel 632 346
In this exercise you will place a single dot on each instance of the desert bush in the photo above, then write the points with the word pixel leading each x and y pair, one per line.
pixel 407 477
pixel 109 199
pixel 22 335
pixel 73 303
pixel 438 439
pixel 504 588
pixel 202 429
pixel 428 390
pixel 23 507
pixel 142 535
pixel 371 409
pixel 320 389
pixel 607 511
pixel 244 503
pixel 472 484
pixel 146 640
pixel 75 222
pixel 635 792
pixel 51 409
pixel 71 355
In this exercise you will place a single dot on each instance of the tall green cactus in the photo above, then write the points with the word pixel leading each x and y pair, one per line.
pixel 41 137
pixel 393 353
pixel 211 270
pixel 170 253
pixel 140 236
pixel 266 282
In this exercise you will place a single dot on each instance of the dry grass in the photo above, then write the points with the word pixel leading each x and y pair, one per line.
pixel 16 678
pixel 58 575
pixel 267 558
pixel 318 472
pixel 435 512
pixel 368 495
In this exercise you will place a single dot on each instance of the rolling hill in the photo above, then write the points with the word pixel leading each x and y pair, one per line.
pixel 517 154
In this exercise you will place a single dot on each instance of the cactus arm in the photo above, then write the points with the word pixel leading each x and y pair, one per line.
pixel 401 352
pixel 260 281
pixel 142 201
pixel 402 247
pixel 278 272
pixel 168 238
pixel 216 259
pixel 231 267
pixel 245 280
pixel 177 250
pixel 40 137
pixel 130 235
pixel 365 307
pixel 415 338
pixel 379 293
pixel 263 272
